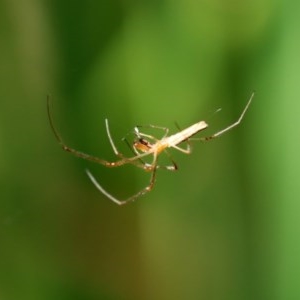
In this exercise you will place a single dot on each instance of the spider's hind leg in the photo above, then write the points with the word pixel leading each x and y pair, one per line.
pixel 142 192
pixel 219 133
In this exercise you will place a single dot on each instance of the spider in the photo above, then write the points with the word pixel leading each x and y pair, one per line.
pixel 145 145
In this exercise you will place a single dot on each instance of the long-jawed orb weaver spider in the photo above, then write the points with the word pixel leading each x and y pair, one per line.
pixel 145 145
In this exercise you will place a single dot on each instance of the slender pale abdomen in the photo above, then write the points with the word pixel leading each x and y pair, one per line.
pixel 181 136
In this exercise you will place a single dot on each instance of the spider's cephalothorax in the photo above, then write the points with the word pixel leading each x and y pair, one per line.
pixel 142 145
pixel 142 148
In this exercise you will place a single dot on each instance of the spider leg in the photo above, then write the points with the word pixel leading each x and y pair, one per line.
pixel 188 150
pixel 148 136
pixel 142 192
pixel 116 151
pixel 172 167
pixel 123 160
pixel 165 129
pixel 219 133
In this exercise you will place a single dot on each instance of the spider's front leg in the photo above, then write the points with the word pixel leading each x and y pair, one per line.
pixel 123 160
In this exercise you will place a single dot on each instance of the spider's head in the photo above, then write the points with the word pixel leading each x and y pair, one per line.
pixel 142 145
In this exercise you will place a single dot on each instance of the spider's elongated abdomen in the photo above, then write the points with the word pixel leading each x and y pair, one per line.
pixel 181 136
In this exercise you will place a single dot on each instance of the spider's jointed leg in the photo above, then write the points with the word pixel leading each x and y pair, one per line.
pixel 219 133
pixel 123 160
pixel 142 192
pixel 140 134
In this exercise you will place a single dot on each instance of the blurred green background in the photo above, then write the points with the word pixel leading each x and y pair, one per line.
pixel 225 226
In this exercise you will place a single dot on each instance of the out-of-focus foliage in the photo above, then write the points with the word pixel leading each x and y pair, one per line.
pixel 225 226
